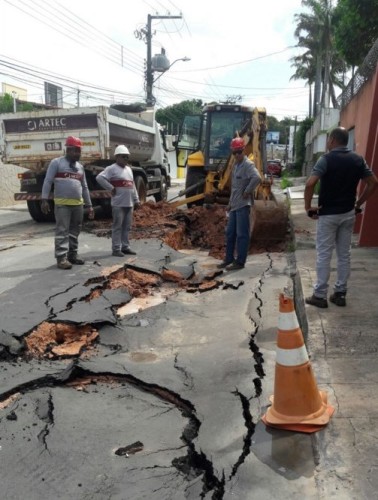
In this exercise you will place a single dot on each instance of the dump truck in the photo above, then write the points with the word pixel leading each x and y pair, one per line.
pixel 203 149
pixel 32 139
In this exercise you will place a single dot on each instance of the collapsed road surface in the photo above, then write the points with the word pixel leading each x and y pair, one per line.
pixel 143 377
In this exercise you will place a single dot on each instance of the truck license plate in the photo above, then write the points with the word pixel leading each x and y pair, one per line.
pixel 28 182
pixel 53 146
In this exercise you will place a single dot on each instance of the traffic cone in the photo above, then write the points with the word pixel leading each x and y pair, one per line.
pixel 297 403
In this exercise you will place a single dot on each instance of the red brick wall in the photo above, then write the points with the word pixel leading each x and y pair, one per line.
pixel 362 115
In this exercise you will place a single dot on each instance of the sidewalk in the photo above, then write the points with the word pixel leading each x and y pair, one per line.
pixel 342 343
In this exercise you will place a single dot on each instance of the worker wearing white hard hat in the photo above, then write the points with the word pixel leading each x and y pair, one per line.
pixel 118 179
pixel 121 150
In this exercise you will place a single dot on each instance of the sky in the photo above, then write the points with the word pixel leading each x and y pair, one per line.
pixel 98 54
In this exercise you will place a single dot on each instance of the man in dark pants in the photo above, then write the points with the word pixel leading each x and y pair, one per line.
pixel 339 172
pixel 244 181
pixel 70 187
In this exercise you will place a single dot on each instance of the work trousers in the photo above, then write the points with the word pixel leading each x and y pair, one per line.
pixel 69 219
pixel 238 235
pixel 122 219
pixel 333 231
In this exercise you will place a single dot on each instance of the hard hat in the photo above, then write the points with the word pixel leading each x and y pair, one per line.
pixel 121 150
pixel 237 144
pixel 73 142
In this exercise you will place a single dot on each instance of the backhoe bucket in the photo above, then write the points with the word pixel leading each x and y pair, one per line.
pixel 269 224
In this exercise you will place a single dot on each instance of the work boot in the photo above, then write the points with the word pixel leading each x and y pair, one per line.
pixel 338 298
pixel 117 253
pixel 223 264
pixel 63 263
pixel 234 266
pixel 128 251
pixel 74 259
pixel 317 302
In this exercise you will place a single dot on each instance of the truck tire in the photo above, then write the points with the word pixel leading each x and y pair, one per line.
pixel 193 176
pixel 162 196
pixel 106 207
pixel 34 207
pixel 141 189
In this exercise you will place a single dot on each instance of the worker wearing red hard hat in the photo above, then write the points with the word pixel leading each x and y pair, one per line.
pixel 244 180
pixel 70 194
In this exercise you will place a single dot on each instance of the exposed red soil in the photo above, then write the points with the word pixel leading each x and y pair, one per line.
pixel 53 340
pixel 197 227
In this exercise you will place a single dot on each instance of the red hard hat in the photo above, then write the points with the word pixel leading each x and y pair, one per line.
pixel 237 144
pixel 73 142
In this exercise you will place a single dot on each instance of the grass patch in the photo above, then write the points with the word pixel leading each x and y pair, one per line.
pixel 285 181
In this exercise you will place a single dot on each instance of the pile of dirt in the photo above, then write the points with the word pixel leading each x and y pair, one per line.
pixel 197 227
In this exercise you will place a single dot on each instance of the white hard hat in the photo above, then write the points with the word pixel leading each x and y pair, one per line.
pixel 121 150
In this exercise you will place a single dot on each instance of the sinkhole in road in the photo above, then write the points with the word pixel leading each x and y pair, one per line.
pixel 138 290
pixel 199 227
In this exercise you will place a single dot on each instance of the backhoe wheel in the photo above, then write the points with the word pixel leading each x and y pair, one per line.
pixel 34 207
pixel 194 175
pixel 163 194
pixel 141 189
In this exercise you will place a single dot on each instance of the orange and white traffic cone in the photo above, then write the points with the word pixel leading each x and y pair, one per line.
pixel 297 403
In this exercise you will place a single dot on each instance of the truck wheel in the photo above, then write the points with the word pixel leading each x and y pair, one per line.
pixel 106 207
pixel 193 176
pixel 34 207
pixel 141 189
pixel 162 196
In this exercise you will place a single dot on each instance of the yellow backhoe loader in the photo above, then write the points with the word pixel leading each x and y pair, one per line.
pixel 203 149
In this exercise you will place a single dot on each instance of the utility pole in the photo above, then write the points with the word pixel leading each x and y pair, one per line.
pixel 14 96
pixel 295 131
pixel 149 73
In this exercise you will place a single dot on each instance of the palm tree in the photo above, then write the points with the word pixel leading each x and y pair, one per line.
pixel 319 64
pixel 304 65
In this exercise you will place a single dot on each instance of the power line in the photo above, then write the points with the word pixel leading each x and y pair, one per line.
pixel 80 35
pixel 239 62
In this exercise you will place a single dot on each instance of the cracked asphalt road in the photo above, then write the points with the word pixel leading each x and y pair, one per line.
pixel 169 404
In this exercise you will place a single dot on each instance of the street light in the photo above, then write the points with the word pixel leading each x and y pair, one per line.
pixel 185 59
pixel 162 65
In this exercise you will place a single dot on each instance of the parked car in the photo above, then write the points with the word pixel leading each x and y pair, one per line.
pixel 274 167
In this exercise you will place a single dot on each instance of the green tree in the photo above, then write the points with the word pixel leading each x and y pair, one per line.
pixel 305 69
pixel 7 105
pixel 172 116
pixel 356 28
pixel 300 142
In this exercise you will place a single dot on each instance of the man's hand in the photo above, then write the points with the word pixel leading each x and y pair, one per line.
pixel 91 213
pixel 313 213
pixel 45 207
pixel 137 205
pixel 357 210
pixel 246 196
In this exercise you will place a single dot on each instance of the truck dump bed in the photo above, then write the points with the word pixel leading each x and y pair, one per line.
pixel 33 139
